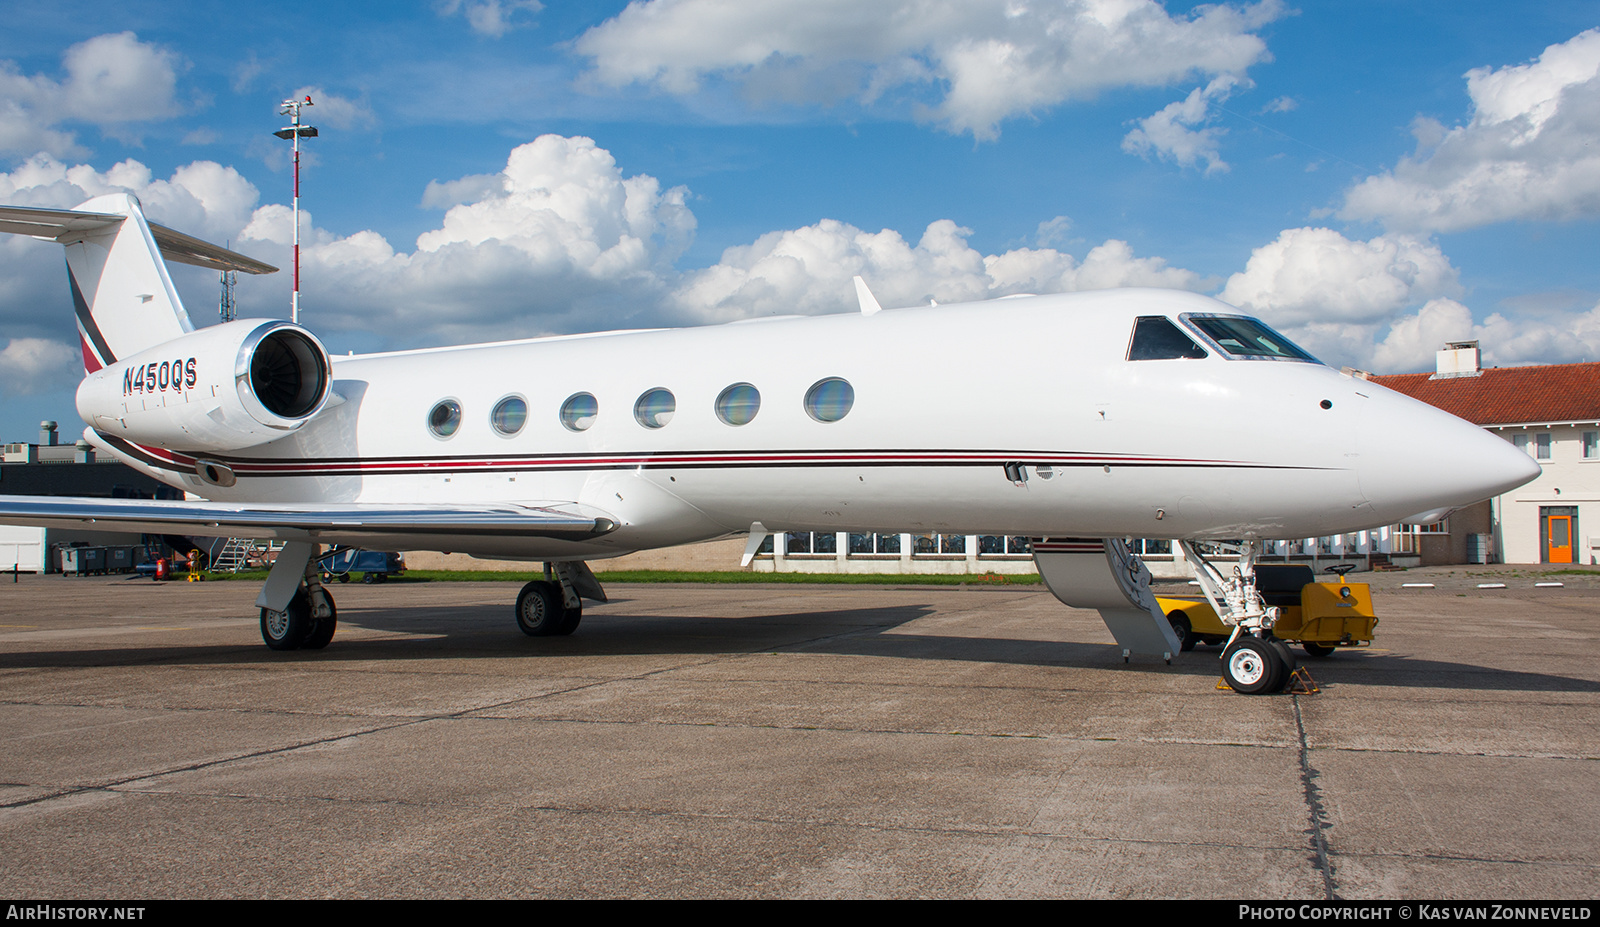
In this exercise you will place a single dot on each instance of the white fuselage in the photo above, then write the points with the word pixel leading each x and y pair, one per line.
pixel 944 398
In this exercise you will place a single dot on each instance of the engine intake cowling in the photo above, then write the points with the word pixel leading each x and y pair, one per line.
pixel 226 387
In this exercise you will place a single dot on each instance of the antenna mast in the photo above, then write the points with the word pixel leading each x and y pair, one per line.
pixel 295 131
pixel 228 309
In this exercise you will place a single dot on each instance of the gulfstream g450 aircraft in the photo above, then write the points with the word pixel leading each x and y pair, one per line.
pixel 1131 413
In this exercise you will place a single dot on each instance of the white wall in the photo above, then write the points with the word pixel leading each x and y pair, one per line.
pixel 1568 479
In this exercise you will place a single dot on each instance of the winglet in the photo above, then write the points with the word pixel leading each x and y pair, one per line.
pixel 758 533
pixel 869 304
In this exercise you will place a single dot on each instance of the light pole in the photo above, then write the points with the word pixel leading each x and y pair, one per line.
pixel 296 132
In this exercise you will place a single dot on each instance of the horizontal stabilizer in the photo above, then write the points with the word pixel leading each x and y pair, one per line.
pixel 349 522
pixel 66 225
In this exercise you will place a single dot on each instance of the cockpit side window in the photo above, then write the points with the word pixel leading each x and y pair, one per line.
pixel 1156 338
pixel 1246 337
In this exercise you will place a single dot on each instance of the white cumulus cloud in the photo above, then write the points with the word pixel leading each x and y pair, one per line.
pixel 1552 338
pixel 1311 274
pixel 493 18
pixel 1528 151
pixel 1179 132
pixel 808 271
pixel 559 240
pixel 37 365
pixel 980 62
pixel 1335 295
pixel 110 81
pixel 333 110
pixel 203 198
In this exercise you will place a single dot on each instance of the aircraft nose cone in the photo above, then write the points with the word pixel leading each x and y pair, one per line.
pixel 1416 458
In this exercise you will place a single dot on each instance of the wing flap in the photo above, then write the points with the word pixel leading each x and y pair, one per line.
pixel 349 522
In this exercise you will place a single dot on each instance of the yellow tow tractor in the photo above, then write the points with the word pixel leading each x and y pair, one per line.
pixel 1322 617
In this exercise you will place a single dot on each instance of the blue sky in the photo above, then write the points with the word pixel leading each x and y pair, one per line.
pixel 1373 178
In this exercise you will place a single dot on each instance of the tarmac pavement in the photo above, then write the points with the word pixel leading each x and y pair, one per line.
pixel 787 741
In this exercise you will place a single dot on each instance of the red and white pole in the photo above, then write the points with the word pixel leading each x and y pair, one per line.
pixel 295 131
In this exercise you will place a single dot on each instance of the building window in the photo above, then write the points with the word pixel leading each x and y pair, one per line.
pixel 936 544
pixel 1152 547
pixel 1591 445
pixel 809 542
pixel 1407 539
pixel 867 545
pixel 995 545
pixel 1520 442
pixel 1541 446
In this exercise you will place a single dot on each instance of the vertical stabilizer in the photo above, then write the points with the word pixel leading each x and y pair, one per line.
pixel 124 300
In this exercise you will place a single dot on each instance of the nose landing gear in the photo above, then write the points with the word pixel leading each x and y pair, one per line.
pixel 1254 662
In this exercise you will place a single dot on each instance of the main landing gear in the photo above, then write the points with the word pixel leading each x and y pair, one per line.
pixel 297 613
pixel 554 605
pixel 1254 662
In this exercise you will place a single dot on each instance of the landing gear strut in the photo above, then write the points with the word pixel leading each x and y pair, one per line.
pixel 1253 662
pixel 297 613
pixel 554 605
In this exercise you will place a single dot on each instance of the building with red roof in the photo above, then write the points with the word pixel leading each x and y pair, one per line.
pixel 1552 412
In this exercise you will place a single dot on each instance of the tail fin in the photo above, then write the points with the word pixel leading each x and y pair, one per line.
pixel 123 297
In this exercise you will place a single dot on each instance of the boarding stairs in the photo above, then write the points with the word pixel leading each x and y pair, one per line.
pixel 242 554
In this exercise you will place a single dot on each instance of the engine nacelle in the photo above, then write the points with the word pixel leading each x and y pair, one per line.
pixel 221 388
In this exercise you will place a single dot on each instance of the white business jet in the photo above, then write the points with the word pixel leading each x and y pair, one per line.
pixel 1077 419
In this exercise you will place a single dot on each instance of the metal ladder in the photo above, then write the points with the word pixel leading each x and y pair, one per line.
pixel 234 555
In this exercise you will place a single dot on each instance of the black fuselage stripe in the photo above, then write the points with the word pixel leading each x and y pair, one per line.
pixel 963 457
pixel 678 460
pixel 140 454
pixel 245 472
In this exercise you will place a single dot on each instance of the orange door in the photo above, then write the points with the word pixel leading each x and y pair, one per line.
pixel 1560 538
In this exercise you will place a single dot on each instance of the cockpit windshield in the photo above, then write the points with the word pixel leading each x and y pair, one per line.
pixel 1156 338
pixel 1245 337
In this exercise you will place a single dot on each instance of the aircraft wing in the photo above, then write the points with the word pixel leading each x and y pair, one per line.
pixel 349 522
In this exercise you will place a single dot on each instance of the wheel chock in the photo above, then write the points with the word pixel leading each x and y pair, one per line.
pixel 1301 683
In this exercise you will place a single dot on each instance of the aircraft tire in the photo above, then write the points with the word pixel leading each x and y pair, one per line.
pixel 322 629
pixel 1184 631
pixel 569 621
pixel 1251 666
pixel 1286 657
pixel 1316 650
pixel 539 609
pixel 286 630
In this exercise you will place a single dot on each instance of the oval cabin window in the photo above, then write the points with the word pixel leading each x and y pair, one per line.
pixel 579 411
pixel 654 409
pixel 738 404
pixel 445 418
pixel 509 415
pixel 830 400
